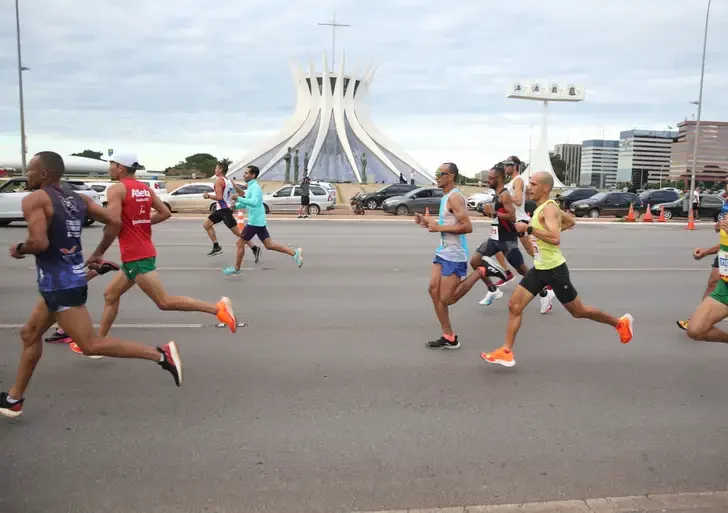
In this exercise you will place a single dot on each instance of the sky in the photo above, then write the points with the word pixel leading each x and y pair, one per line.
pixel 169 79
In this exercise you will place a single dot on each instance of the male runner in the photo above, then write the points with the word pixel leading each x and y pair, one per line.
pixel 450 264
pixel 517 188
pixel 257 224
pixel 131 201
pixel 503 239
pixel 224 192
pixel 55 215
pixel 714 308
pixel 549 268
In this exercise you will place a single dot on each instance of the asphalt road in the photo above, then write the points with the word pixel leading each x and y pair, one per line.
pixel 329 401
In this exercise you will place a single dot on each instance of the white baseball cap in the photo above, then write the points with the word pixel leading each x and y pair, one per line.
pixel 125 158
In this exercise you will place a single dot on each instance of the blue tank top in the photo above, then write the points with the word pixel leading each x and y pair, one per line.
pixel 60 266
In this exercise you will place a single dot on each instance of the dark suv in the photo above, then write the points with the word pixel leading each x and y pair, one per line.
pixel 374 200
pixel 569 196
pixel 607 204
pixel 655 197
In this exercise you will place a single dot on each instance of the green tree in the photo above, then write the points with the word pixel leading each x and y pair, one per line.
pixel 559 167
pixel 202 162
pixel 89 154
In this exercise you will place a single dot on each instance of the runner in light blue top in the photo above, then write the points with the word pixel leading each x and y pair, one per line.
pixel 451 258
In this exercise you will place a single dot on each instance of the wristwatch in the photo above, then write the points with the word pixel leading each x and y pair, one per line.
pixel 19 248
pixel 529 230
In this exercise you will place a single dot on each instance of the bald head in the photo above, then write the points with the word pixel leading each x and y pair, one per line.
pixel 544 178
pixel 539 186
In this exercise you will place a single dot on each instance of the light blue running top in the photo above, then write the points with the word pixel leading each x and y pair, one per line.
pixel 453 246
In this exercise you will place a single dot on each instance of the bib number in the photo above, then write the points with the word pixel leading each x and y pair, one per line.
pixel 536 251
pixel 494 231
pixel 723 264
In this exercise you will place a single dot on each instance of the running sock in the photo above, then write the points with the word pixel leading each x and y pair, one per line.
pixel 215 245
pixel 11 400
pixel 492 288
pixel 449 338
pixel 162 359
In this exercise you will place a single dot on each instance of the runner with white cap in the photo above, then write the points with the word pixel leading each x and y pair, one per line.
pixel 133 201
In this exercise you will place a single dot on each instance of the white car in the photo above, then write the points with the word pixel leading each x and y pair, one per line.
pixel 328 186
pixel 480 197
pixel 101 188
pixel 158 186
pixel 189 197
pixel 288 199
pixel 14 190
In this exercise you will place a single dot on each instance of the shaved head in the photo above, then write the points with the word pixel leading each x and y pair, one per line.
pixel 539 186
pixel 544 178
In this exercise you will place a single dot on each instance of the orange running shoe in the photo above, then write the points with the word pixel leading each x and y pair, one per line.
pixel 76 349
pixel 625 328
pixel 226 315
pixel 501 356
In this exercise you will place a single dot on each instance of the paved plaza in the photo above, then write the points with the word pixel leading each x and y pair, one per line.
pixel 328 401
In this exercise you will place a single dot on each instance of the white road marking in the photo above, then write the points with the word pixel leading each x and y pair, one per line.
pixel 644 503
pixel 128 326
pixel 574 269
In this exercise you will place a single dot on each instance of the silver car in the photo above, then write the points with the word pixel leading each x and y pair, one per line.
pixel 288 199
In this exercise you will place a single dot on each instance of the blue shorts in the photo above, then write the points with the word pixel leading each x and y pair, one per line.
pixel 449 268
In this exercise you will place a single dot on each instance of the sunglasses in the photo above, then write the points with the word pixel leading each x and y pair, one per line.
pixel 439 174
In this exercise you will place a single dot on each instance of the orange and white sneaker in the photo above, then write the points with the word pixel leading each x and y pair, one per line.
pixel 76 349
pixel 501 356
pixel 226 315
pixel 625 328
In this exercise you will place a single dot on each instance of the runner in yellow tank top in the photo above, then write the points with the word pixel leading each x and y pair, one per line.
pixel 714 308
pixel 549 268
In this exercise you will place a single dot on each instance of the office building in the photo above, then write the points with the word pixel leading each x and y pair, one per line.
pixel 644 156
pixel 711 164
pixel 571 155
pixel 599 163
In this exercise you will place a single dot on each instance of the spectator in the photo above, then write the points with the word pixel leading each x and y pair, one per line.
pixel 305 198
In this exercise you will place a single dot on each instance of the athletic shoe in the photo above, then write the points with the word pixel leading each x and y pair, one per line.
pixel 58 337
pixel 298 257
pixel 256 253
pixel 226 315
pixel 8 409
pixel 171 361
pixel 490 297
pixel 492 269
pixel 443 343
pixel 501 356
pixel 231 271
pixel 625 328
pixel 215 251
pixel 683 325
pixel 76 349
pixel 547 301
pixel 105 267
pixel 509 278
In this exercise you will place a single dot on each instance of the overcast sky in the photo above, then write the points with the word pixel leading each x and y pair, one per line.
pixel 167 79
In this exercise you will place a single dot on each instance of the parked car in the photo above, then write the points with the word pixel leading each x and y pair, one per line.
pixel 606 204
pixel 710 206
pixel 158 186
pixel 14 190
pixel 479 197
pixel 657 196
pixel 189 197
pixel 288 199
pixel 329 188
pixel 569 196
pixel 373 200
pixel 414 202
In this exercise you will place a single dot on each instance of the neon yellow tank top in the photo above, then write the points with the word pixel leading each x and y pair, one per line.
pixel 723 256
pixel 546 256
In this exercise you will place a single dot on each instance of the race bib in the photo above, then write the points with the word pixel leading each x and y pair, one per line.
pixel 536 251
pixel 494 231
pixel 723 264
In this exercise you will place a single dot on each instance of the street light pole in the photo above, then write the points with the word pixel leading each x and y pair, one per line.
pixel 700 108
pixel 20 88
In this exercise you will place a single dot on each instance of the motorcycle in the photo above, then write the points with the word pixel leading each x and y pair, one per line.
pixel 357 205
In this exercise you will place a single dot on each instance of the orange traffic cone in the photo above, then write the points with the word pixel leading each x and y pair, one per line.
pixel 647 218
pixel 661 219
pixel 630 214
pixel 427 211
pixel 691 222
pixel 241 220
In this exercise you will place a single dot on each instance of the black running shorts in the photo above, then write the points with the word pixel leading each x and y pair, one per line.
pixel 60 300
pixel 509 249
pixel 558 277
pixel 305 200
pixel 225 215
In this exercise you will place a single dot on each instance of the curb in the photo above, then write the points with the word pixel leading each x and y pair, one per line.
pixel 630 504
